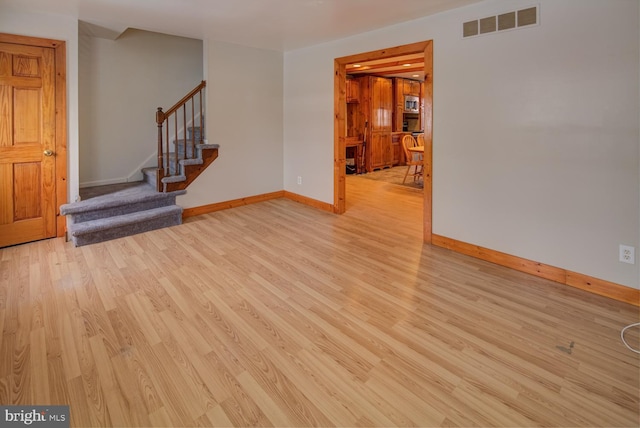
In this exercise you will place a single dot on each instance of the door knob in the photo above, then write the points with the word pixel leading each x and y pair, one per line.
pixel 48 152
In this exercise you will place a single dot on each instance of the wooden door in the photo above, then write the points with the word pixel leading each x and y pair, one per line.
pixel 27 143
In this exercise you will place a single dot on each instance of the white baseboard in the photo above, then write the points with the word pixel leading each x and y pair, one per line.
pixel 135 175
pixel 103 182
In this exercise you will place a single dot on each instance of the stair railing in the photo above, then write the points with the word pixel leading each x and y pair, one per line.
pixel 191 112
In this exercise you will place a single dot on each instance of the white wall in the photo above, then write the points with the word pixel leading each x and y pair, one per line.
pixel 122 82
pixel 536 130
pixel 64 28
pixel 245 117
pixel 536 135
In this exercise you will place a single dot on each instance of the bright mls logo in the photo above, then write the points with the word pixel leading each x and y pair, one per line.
pixel 35 416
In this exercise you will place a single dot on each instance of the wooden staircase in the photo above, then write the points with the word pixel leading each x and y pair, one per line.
pixel 183 152
pixel 123 210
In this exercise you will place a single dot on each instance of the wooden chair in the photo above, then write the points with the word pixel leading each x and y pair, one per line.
pixel 420 139
pixel 413 159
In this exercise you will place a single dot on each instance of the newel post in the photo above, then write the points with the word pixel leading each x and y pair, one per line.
pixel 160 117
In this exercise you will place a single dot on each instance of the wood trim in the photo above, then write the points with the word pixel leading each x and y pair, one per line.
pixel 563 276
pixel 219 206
pixel 309 201
pixel 409 49
pixel 339 132
pixel 30 41
pixel 61 136
pixel 61 172
pixel 339 136
pixel 427 167
pixel 184 99
pixel 603 288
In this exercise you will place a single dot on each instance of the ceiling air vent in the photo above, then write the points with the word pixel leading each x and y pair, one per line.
pixel 505 21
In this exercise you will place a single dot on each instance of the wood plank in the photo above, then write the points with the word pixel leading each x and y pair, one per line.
pixel 276 313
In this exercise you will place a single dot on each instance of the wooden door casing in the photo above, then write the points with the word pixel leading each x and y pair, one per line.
pixel 32 125
pixel 339 107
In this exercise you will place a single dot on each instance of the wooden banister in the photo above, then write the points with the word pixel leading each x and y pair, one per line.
pixel 186 98
pixel 179 128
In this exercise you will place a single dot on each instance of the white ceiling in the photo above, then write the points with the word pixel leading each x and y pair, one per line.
pixel 270 24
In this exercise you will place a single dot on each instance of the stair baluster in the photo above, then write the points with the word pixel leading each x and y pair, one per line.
pixel 193 134
pixel 168 162
pixel 175 145
pixel 160 117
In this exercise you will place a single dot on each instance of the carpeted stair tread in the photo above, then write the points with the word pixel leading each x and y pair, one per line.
pixel 186 151
pixel 121 220
pixel 105 229
pixel 186 156
pixel 174 179
pixel 142 192
pixel 130 209
pixel 204 145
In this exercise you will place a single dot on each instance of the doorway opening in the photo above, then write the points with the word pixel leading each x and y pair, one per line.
pixel 339 128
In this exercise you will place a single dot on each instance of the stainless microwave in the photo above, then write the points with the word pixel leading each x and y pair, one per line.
pixel 411 104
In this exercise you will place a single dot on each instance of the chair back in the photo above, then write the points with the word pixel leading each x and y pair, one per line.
pixel 420 140
pixel 407 142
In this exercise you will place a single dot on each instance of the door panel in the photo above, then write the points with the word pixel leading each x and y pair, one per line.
pixel 26 124
pixel 376 150
pixel 27 130
pixel 27 192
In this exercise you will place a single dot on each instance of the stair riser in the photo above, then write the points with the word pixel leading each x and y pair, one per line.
pixel 182 153
pixel 173 170
pixel 127 230
pixel 192 171
pixel 150 177
pixel 194 133
pixel 123 209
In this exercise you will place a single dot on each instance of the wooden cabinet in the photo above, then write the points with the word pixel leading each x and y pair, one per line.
pixel 377 105
pixel 380 150
pixel 353 91
pixel 381 104
pixel 401 88
pixel 398 100
pixel 411 87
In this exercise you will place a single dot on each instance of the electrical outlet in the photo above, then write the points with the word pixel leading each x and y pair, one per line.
pixel 299 180
pixel 627 254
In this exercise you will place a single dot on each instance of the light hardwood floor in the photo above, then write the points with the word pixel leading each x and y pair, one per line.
pixel 277 314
